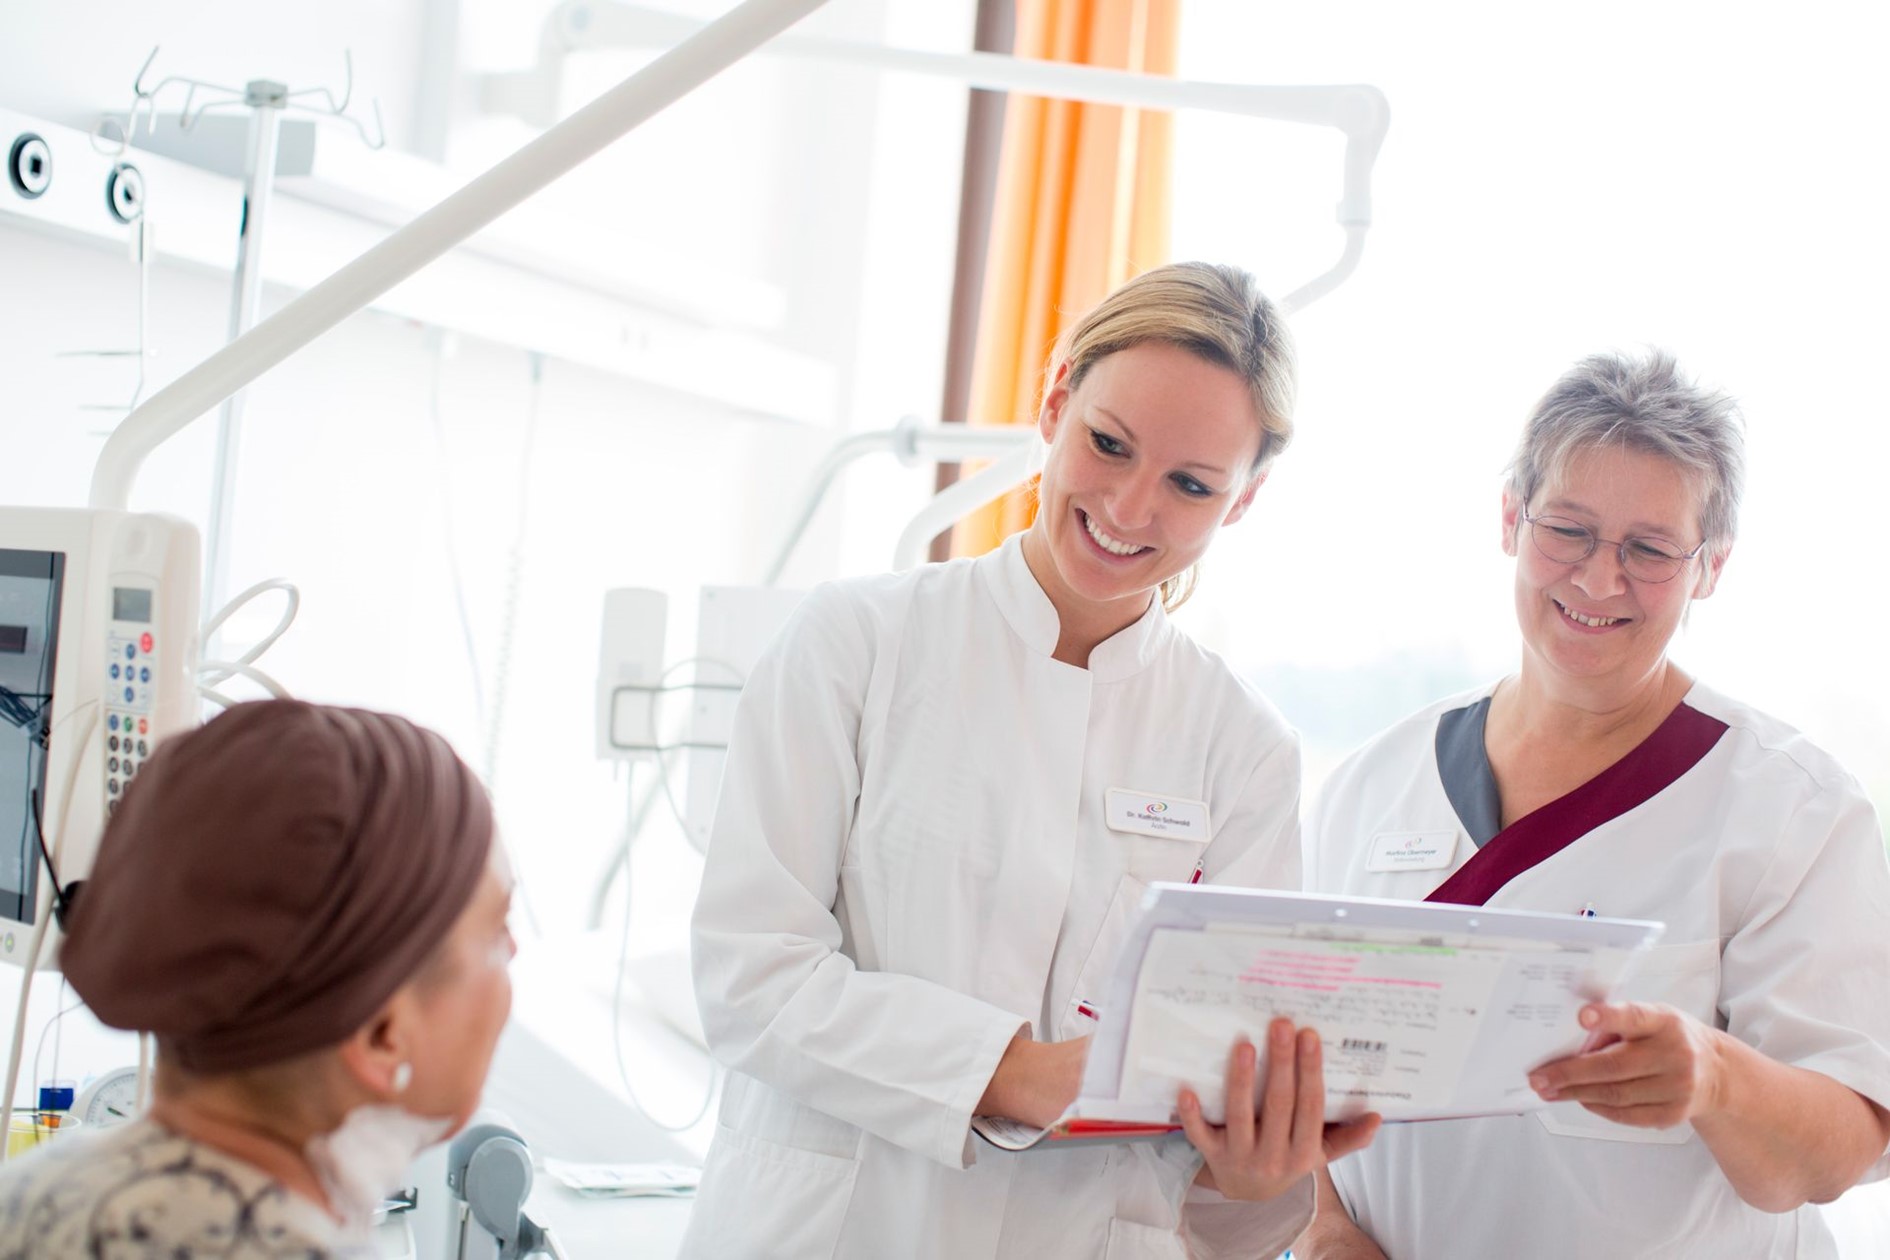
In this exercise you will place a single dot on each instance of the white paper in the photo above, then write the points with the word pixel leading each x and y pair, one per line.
pixel 1397 1019
pixel 616 1181
pixel 1423 1011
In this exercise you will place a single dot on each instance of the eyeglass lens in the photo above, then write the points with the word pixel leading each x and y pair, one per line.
pixel 1569 542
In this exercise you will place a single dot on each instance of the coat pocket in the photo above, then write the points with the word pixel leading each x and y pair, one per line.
pixel 1129 1240
pixel 777 1182
pixel 1682 976
pixel 762 1200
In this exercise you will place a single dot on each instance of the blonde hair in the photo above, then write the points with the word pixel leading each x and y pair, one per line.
pixel 1218 313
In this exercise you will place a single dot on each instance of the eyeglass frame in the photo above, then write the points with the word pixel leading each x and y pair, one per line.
pixel 1620 548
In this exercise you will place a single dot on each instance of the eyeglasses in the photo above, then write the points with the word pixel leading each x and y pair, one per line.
pixel 1571 542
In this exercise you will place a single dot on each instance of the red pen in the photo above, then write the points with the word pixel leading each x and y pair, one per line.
pixel 1087 1009
pixel 1196 877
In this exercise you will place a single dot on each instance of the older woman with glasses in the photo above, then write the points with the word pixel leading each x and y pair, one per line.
pixel 1744 1072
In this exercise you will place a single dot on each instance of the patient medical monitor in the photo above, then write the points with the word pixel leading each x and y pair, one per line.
pixel 98 628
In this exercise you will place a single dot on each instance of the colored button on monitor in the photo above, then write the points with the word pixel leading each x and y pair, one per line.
pixel 144 641
pixel 144 725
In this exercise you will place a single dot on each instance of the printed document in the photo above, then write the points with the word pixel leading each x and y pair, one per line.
pixel 1425 1011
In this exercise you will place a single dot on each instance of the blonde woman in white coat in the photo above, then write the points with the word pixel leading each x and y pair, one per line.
pixel 912 884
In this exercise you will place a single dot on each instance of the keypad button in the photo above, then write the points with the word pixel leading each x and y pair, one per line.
pixel 144 725
pixel 112 743
pixel 145 641
pixel 144 674
pixel 114 671
pixel 114 722
pixel 112 765
pixel 144 749
pixel 130 695
pixel 111 785
pixel 131 651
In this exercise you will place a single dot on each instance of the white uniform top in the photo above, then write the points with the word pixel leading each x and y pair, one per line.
pixel 1766 862
pixel 910 864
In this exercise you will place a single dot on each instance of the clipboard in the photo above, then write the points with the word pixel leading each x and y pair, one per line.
pixel 1468 999
pixel 1426 1011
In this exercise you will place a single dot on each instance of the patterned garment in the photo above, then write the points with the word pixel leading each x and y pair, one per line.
pixel 141 1192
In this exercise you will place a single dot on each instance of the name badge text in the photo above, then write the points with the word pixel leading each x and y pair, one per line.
pixel 1147 814
pixel 1412 851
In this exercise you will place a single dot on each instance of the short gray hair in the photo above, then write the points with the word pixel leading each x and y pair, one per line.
pixel 1642 404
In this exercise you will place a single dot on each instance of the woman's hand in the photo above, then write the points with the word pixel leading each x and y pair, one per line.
pixel 1783 1135
pixel 1259 1156
pixel 1035 1081
pixel 1651 1066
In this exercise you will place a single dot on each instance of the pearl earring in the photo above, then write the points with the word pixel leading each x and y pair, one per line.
pixel 403 1077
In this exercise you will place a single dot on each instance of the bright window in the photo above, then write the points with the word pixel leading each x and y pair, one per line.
pixel 1557 180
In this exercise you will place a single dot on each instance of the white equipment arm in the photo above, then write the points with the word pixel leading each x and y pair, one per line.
pixel 1358 110
pixel 707 52
pixel 913 442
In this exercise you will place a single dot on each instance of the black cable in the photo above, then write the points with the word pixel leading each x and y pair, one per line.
pixel 62 896
pixel 15 710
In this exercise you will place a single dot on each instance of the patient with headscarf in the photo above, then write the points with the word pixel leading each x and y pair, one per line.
pixel 307 907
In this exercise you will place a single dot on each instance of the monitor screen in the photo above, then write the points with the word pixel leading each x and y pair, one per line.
pixel 30 585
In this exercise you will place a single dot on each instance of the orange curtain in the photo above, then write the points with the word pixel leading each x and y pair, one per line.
pixel 1082 205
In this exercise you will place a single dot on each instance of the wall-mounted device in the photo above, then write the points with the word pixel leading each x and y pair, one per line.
pixel 98 662
pixel 734 627
pixel 29 165
pixel 629 672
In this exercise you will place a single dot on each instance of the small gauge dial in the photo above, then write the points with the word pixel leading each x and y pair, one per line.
pixel 111 1099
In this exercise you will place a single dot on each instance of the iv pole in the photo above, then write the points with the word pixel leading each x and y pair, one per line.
pixel 267 101
pixel 593 128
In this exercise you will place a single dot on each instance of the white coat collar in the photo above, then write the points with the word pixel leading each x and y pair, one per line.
pixel 1033 618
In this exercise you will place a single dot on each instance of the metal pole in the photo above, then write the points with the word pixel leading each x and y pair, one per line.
pixel 266 100
pixel 591 129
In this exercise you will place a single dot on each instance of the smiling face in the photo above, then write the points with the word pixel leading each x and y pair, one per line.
pixel 1589 623
pixel 1150 455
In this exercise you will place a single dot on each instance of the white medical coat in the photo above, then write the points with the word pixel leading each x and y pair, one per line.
pixel 909 864
pixel 1766 862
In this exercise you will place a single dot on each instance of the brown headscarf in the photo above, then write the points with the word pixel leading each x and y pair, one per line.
pixel 271 878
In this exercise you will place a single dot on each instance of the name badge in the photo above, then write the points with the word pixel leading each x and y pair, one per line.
pixel 1412 850
pixel 1147 814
